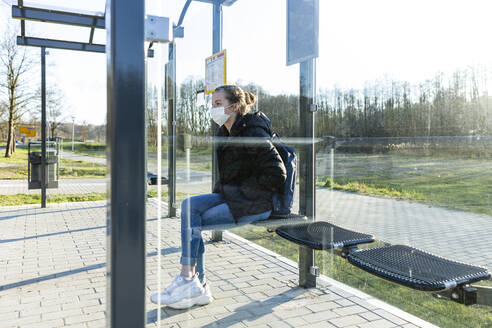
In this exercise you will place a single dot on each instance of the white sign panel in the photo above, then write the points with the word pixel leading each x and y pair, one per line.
pixel 215 71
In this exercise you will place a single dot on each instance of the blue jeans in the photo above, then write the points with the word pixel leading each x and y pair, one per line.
pixel 203 212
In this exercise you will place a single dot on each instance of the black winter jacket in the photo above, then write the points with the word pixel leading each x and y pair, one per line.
pixel 250 168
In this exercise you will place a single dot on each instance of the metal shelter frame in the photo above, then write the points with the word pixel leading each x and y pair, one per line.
pixel 90 20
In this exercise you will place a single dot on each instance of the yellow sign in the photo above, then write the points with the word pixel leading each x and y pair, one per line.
pixel 215 71
pixel 27 132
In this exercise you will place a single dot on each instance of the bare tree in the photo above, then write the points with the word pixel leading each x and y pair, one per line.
pixel 15 66
pixel 3 110
pixel 56 110
pixel 3 119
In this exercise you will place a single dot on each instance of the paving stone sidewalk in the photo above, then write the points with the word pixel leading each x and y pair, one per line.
pixel 82 186
pixel 52 273
pixel 65 186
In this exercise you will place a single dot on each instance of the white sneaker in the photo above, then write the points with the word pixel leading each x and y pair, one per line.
pixel 207 296
pixel 183 293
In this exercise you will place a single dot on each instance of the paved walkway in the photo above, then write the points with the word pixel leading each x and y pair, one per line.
pixel 65 186
pixel 52 273
pixel 82 186
pixel 78 157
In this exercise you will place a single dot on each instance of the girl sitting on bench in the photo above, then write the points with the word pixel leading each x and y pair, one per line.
pixel 249 172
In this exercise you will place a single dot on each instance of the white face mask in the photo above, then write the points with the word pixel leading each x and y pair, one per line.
pixel 218 114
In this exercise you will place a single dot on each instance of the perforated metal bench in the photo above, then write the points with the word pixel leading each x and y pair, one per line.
pixel 322 235
pixel 401 264
pixel 416 268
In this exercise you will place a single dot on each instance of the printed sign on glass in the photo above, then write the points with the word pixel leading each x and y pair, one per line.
pixel 215 71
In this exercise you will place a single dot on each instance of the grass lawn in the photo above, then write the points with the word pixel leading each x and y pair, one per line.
pixel 198 162
pixel 99 150
pixel 453 182
pixel 21 199
pixel 18 157
pixel 81 169
pixel 180 196
pixel 87 149
pixel 15 167
pixel 442 313
pixel 179 151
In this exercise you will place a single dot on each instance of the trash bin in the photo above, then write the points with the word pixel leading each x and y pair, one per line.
pixel 34 159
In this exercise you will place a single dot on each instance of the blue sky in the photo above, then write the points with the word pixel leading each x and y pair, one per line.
pixel 360 40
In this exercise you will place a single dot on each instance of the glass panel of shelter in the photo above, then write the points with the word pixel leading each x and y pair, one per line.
pixel 376 150
pixel 404 143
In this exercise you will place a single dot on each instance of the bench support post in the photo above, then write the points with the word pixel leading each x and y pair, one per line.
pixel 306 261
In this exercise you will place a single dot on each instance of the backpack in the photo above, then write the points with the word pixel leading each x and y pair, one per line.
pixel 282 202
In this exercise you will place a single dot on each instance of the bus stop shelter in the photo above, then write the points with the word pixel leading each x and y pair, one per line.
pixel 126 26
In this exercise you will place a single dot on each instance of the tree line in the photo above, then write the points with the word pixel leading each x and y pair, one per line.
pixel 457 104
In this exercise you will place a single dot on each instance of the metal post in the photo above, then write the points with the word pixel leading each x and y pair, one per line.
pixel 29 162
pixel 73 132
pixel 187 150
pixel 217 27
pixel 126 163
pixel 59 144
pixel 43 127
pixel 216 47
pixel 171 129
pixel 307 160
